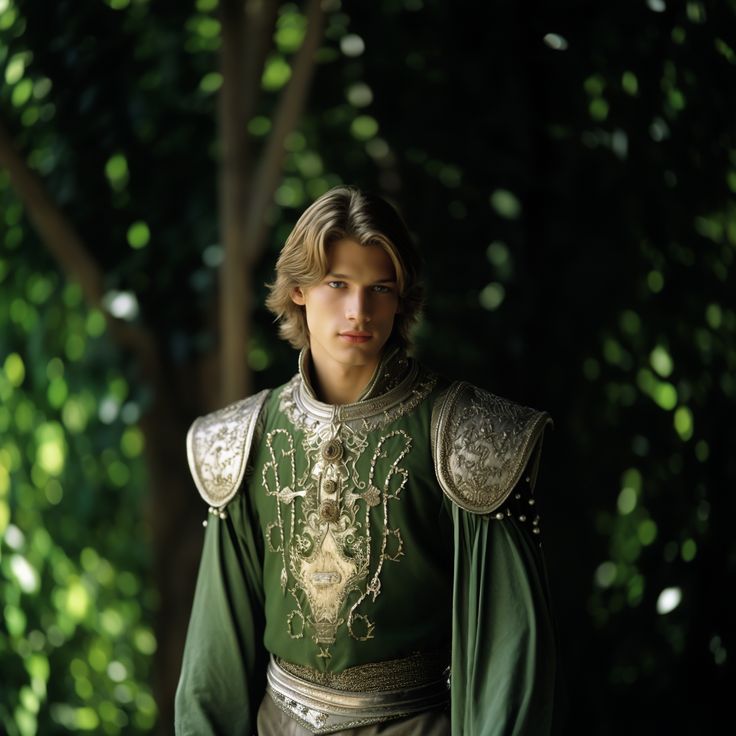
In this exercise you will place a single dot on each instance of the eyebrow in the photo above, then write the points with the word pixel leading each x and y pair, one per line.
pixel 389 280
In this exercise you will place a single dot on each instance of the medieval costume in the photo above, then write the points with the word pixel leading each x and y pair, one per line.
pixel 372 566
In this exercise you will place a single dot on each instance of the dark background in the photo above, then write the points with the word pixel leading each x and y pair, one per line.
pixel 569 171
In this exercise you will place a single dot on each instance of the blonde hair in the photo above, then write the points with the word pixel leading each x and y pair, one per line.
pixel 344 212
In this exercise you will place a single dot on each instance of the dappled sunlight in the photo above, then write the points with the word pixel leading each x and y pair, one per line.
pixel 571 184
pixel 67 606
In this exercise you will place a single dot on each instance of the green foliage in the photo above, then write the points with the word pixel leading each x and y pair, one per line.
pixel 75 634
pixel 115 109
pixel 582 262
pixel 570 180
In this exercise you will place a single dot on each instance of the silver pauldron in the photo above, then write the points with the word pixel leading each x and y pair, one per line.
pixel 218 447
pixel 481 444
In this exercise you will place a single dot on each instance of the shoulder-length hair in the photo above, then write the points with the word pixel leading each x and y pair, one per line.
pixel 344 212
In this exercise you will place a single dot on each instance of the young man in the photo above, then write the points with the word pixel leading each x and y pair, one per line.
pixel 372 562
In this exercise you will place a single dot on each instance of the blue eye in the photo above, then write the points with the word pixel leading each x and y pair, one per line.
pixel 381 289
pixel 336 284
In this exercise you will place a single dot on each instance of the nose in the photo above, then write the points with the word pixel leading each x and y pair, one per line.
pixel 357 307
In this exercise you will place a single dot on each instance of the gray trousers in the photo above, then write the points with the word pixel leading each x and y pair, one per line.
pixel 272 721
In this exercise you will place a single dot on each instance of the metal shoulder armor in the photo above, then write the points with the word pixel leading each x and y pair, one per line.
pixel 481 444
pixel 218 447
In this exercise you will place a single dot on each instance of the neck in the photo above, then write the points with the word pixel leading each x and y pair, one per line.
pixel 336 383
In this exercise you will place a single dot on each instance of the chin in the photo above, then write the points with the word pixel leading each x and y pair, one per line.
pixel 360 354
pixel 356 356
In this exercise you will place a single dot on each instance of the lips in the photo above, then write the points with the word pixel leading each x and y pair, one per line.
pixel 354 337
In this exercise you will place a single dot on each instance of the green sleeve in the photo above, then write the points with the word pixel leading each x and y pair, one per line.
pixel 503 640
pixel 222 678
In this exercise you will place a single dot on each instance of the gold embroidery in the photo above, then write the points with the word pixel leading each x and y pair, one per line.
pixel 285 493
pixel 396 543
pixel 392 674
pixel 295 633
pixel 273 546
pixel 329 512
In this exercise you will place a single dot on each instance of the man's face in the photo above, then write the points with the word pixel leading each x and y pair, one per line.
pixel 350 313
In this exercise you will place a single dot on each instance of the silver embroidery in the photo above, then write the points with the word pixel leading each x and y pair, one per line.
pixel 218 446
pixel 329 512
pixel 481 444
pixel 325 709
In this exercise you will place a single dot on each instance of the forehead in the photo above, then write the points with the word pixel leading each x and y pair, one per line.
pixel 365 262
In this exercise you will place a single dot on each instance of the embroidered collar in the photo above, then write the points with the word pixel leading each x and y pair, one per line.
pixel 392 382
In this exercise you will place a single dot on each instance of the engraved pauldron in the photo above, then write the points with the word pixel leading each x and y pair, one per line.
pixel 218 447
pixel 481 444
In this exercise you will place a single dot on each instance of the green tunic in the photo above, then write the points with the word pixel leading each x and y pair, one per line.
pixel 340 546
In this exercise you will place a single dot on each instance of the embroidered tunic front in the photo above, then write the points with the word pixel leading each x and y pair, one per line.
pixel 348 504
pixel 338 547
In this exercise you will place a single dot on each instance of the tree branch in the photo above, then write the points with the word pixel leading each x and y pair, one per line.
pixel 52 226
pixel 243 46
pixel 260 21
pixel 287 116
pixel 59 236
pixel 246 31
pixel 245 198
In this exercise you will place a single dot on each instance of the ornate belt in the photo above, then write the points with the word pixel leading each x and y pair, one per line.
pixel 358 696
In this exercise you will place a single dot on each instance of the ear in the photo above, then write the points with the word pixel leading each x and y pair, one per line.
pixel 297 296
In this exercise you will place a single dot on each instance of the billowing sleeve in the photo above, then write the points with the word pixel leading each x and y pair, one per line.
pixel 222 678
pixel 503 640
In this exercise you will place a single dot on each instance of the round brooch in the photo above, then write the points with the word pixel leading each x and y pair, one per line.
pixel 332 451
pixel 328 511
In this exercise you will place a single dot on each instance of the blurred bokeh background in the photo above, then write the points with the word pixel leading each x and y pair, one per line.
pixel 569 170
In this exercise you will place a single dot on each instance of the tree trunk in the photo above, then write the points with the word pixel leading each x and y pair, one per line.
pixel 173 511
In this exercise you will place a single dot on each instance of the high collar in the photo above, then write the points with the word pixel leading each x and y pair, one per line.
pixel 391 379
